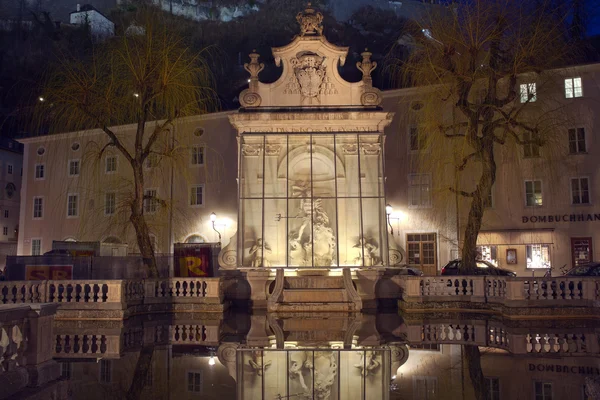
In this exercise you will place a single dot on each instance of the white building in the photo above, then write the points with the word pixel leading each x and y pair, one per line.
pixel 100 26
pixel 11 169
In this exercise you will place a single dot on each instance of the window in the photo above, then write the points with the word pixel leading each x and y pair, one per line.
pixel 151 161
pixel 73 167
pixel 198 155
pixel 533 193
pixel 580 191
pixel 492 388
pixel 39 171
pixel 425 387
pixel 194 381
pixel 532 147
pixel 538 256
pixel 422 250
pixel 110 200
pixel 10 190
pixel 416 139
pixel 66 370
pixel 573 88
pixel 105 371
pixel 488 253
pixel 5 213
pixel 528 92
pixel 419 190
pixel 577 141
pixel 36 247
pixel 543 390
pixel 150 201
pixel 72 205
pixel 5 231
pixel 10 169
pixel 111 164
pixel 38 207
pixel 197 195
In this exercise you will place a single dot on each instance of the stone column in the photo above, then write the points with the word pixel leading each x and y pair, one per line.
pixel 40 348
pixel 257 279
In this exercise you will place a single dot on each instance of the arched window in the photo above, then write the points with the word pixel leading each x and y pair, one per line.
pixel 195 239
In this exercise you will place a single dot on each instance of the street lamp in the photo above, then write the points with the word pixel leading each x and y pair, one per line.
pixel 211 360
pixel 388 211
pixel 213 218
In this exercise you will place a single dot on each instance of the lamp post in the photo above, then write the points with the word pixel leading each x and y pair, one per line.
pixel 213 219
pixel 388 211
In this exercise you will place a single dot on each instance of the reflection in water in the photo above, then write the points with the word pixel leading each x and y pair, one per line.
pixel 332 357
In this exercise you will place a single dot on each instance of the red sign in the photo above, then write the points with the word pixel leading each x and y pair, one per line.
pixel 48 272
pixel 193 261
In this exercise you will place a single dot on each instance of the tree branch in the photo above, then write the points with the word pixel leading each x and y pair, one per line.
pixel 465 160
pixel 154 137
pixel 461 192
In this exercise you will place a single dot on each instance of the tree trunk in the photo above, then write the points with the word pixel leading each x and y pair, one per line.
pixel 142 368
pixel 139 222
pixel 483 191
pixel 473 361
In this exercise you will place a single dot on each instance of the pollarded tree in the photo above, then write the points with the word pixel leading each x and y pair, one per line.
pixel 485 67
pixel 146 76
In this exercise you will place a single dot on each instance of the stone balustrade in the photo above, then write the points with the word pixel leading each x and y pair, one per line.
pixel 508 292
pixel 97 298
pixel 26 350
pixel 538 341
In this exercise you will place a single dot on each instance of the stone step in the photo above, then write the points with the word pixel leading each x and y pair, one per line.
pixel 314 295
pixel 314 307
pixel 314 282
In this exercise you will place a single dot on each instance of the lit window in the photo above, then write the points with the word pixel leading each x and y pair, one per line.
pixel 492 388
pixel 105 371
pixel 533 193
pixel 150 201
pixel 39 171
pixel 416 139
pixel 194 382
pixel 73 167
pixel 543 391
pixel 580 191
pixel 10 169
pixel 488 253
pixel 577 141
pixel 110 200
pixel 538 256
pixel 5 213
pixel 38 207
pixel 532 147
pixel 528 92
pixel 419 190
pixel 72 205
pixel 198 155
pixel 573 88
pixel 197 195
pixel 111 164
pixel 36 247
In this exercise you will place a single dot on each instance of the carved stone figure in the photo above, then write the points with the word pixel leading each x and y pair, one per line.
pixel 367 252
pixel 310 22
pixel 258 363
pixel 325 367
pixel 300 360
pixel 368 363
pixel 259 253
pixel 314 239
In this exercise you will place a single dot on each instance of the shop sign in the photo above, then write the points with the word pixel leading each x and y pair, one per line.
pixel 561 218
pixel 564 369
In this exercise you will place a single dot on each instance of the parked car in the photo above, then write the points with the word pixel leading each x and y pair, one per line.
pixel 587 269
pixel 483 268
pixel 408 270
pixel 58 252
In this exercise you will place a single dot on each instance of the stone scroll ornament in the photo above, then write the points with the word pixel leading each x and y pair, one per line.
pixel 370 96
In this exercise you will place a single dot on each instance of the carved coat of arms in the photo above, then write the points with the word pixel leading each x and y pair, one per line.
pixel 309 70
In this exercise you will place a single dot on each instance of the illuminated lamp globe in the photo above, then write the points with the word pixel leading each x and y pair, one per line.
pixel 388 209
pixel 213 217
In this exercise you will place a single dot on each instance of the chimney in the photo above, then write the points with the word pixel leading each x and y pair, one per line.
pixel 78 7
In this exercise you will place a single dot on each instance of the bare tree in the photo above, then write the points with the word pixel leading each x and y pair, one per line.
pixel 472 60
pixel 147 76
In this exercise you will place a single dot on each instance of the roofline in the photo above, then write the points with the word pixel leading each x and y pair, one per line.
pixel 120 128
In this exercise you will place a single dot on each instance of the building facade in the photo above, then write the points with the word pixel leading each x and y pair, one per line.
pixel 11 168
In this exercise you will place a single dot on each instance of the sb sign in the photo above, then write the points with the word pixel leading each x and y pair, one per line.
pixel 193 261
pixel 48 272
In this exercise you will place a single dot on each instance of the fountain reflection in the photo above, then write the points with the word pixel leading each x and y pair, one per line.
pixel 331 357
